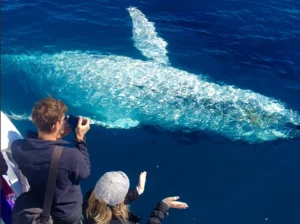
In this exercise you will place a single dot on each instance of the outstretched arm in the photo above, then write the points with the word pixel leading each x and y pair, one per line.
pixel 81 161
pixel 159 213
pixel 133 194
pixel 162 208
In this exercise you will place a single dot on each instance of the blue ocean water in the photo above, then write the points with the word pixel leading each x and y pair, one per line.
pixel 252 45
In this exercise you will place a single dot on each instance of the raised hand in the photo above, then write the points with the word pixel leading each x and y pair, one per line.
pixel 142 182
pixel 173 203
pixel 82 129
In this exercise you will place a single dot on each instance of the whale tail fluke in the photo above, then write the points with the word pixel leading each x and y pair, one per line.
pixel 146 38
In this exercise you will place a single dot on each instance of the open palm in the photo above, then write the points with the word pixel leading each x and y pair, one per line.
pixel 142 181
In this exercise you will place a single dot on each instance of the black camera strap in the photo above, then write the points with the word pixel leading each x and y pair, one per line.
pixel 52 176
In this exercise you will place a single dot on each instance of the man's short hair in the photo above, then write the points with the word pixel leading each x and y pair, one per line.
pixel 47 112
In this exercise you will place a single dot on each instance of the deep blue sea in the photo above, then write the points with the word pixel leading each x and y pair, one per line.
pixel 252 45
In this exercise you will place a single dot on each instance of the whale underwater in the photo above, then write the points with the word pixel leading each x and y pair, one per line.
pixel 124 92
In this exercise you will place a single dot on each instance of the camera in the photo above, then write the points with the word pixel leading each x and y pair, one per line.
pixel 73 121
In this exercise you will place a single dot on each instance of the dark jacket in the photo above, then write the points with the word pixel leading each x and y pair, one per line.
pixel 159 213
pixel 156 217
pixel 33 157
pixel 3 165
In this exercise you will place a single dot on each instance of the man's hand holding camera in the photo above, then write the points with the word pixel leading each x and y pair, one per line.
pixel 83 127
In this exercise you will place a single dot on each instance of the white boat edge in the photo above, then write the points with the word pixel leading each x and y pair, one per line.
pixel 14 177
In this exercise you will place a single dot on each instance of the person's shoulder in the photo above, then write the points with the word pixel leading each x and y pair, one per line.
pixel 71 151
pixel 17 146
pixel 18 143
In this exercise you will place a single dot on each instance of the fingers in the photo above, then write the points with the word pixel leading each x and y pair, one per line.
pixel 144 173
pixel 142 179
pixel 173 198
pixel 82 129
pixel 142 182
pixel 169 200
pixel 79 122
pixel 173 203
pixel 179 205
pixel 86 122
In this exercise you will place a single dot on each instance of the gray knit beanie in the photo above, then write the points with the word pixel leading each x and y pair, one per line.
pixel 112 187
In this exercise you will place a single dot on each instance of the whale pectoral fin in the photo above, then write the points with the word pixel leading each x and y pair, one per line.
pixel 124 123
pixel 146 38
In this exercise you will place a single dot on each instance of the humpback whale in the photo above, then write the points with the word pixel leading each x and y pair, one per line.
pixel 124 92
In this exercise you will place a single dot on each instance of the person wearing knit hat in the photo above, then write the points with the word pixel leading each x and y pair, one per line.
pixel 107 202
pixel 112 188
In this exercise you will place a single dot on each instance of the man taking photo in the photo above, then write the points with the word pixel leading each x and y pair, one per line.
pixel 33 156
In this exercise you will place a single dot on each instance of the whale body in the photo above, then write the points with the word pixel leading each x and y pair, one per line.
pixel 125 92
